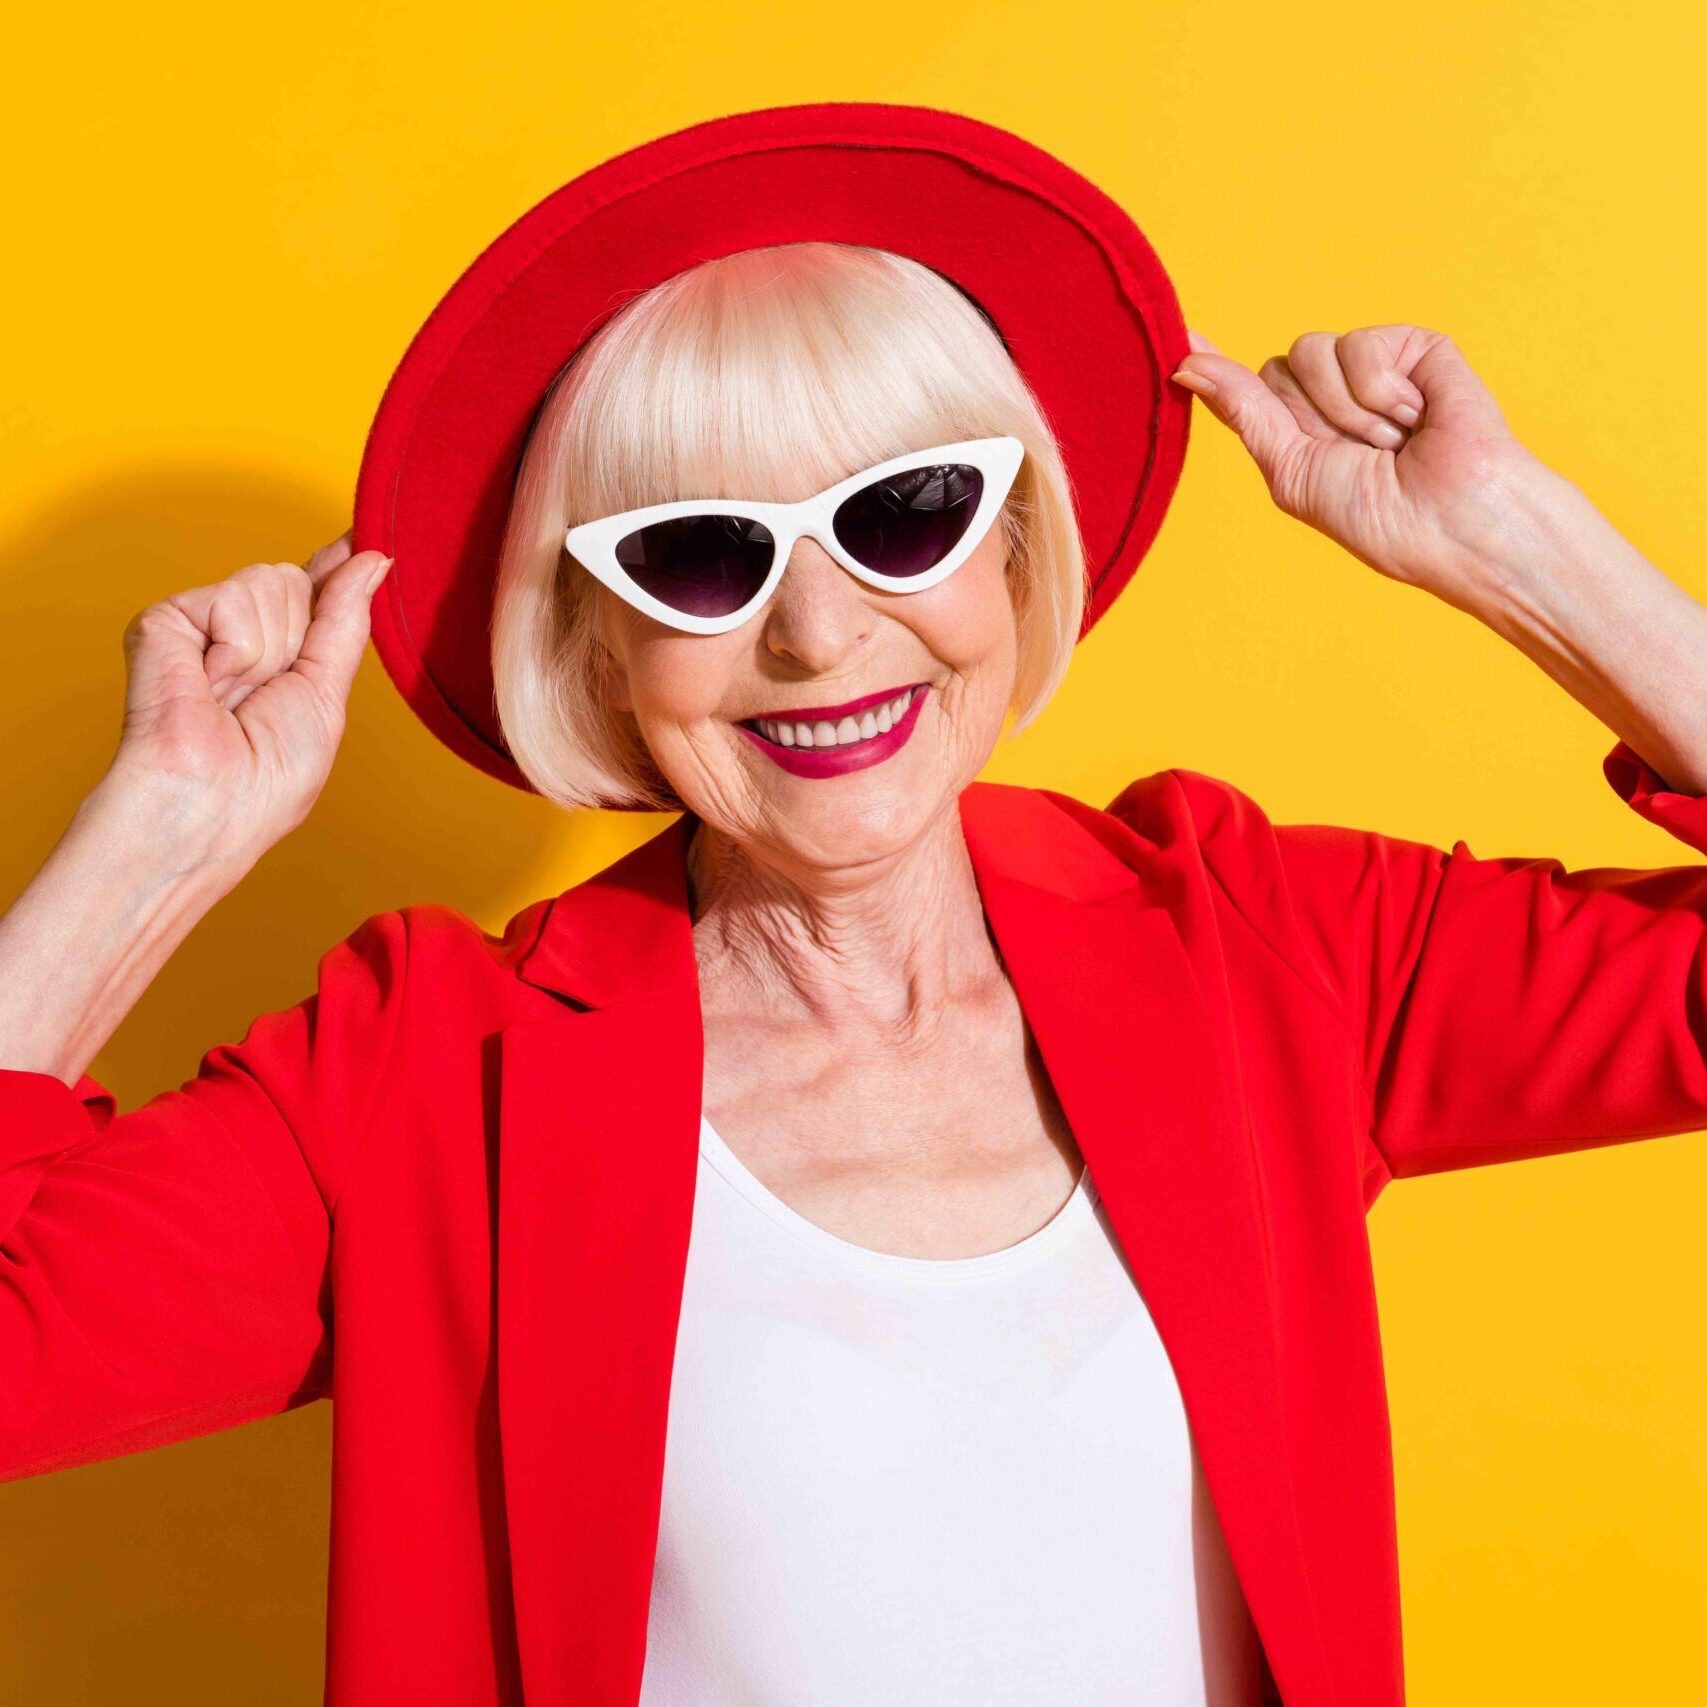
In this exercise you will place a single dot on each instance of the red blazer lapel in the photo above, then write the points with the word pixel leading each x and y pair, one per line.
pixel 1146 1074
pixel 598 1143
pixel 599 1111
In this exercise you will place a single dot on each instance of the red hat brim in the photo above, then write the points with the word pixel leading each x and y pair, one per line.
pixel 1068 279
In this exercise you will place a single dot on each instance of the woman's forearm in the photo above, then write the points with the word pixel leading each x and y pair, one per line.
pixel 115 897
pixel 1618 634
pixel 1462 510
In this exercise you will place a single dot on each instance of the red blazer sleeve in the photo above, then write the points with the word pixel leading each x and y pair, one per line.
pixel 164 1273
pixel 1495 1008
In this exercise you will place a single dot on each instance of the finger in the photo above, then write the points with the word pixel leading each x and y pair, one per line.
pixel 1199 343
pixel 1371 358
pixel 269 584
pixel 232 623
pixel 322 562
pixel 299 608
pixel 166 646
pixel 1239 399
pixel 330 558
pixel 338 629
pixel 1454 396
pixel 1276 373
pixel 1315 364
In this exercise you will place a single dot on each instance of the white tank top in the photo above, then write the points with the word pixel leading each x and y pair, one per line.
pixel 946 1483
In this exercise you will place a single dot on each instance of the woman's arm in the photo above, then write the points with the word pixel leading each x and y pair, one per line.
pixel 1506 1007
pixel 165 1272
pixel 1621 637
pixel 1387 441
pixel 234 708
pixel 122 888
pixel 1494 1008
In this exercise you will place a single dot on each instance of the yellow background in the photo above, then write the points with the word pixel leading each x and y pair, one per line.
pixel 225 225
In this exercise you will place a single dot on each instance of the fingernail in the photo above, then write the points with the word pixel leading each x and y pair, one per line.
pixel 1405 412
pixel 1192 380
pixel 378 575
pixel 1386 434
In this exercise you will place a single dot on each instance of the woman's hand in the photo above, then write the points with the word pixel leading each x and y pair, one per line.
pixel 234 705
pixel 1385 440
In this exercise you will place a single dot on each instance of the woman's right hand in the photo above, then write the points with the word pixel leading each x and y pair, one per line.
pixel 234 703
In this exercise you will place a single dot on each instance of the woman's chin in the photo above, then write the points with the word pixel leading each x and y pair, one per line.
pixel 860 816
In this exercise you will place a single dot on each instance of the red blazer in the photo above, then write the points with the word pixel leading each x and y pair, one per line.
pixel 452 1190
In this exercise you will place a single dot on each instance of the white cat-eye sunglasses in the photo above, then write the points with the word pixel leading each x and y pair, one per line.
pixel 705 565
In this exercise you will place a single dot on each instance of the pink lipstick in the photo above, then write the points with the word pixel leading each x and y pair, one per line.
pixel 843 756
pixel 835 713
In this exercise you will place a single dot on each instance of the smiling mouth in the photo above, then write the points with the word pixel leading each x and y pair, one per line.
pixel 849 730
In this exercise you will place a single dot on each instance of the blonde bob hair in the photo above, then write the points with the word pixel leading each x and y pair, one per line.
pixel 796 362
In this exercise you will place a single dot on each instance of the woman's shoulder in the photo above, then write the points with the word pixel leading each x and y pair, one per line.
pixel 1195 813
pixel 433 945
pixel 1173 810
pixel 1180 828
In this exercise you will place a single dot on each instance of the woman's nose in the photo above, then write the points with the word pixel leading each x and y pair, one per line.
pixel 819 613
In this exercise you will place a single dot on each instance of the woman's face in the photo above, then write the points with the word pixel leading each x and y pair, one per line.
pixel 826 641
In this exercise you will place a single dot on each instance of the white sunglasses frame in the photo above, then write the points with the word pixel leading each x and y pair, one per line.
pixel 593 544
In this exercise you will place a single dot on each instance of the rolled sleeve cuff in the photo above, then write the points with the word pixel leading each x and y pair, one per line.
pixel 1642 788
pixel 42 1117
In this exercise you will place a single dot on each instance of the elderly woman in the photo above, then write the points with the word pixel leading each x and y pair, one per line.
pixel 890 1237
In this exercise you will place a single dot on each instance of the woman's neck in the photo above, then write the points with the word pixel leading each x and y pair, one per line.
pixel 889 945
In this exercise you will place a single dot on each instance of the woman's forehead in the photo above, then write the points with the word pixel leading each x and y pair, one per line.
pixel 772 373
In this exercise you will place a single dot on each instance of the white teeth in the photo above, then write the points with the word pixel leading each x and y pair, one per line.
pixel 874 721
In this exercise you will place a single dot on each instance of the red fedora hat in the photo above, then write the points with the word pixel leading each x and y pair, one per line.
pixel 1061 270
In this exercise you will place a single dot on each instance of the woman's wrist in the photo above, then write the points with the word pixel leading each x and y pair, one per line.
pixel 1608 625
pixel 170 824
pixel 120 890
pixel 1520 547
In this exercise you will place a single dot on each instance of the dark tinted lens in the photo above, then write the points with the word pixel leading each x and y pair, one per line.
pixel 907 523
pixel 700 565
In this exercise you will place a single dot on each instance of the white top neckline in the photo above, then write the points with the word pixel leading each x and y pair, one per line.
pixel 1055 1231
pixel 967 1481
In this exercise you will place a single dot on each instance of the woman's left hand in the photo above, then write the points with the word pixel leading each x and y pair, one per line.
pixel 1387 441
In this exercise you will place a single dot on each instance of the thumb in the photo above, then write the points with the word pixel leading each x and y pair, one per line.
pixel 338 626
pixel 1239 399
